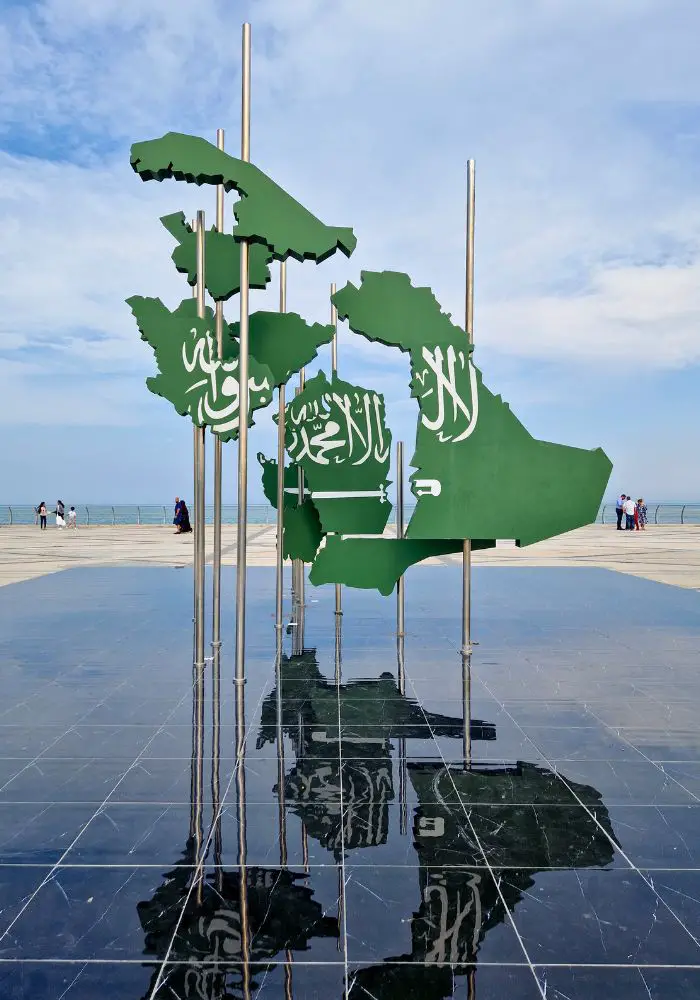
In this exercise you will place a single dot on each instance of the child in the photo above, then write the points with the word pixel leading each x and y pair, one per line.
pixel 72 518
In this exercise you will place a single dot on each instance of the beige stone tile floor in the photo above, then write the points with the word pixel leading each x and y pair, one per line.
pixel 667 554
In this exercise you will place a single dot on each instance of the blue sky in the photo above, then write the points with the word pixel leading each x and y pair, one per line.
pixel 584 120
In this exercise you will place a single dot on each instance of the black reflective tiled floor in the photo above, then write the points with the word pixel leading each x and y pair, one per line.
pixel 352 852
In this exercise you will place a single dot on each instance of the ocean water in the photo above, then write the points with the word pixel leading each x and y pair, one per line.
pixel 659 513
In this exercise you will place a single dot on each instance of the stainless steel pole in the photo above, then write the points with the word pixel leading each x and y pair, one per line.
pixel 199 440
pixel 469 325
pixel 279 593
pixel 334 366
pixel 400 622
pixel 299 630
pixel 242 526
pixel 218 456
pixel 338 649
pixel 199 776
pixel 195 453
pixel 403 771
pixel 467 710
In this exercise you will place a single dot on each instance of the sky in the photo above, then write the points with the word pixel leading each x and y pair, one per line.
pixel 583 119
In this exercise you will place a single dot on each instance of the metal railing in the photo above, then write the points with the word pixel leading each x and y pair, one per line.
pixel 657 513
pixel 132 514
pixel 135 514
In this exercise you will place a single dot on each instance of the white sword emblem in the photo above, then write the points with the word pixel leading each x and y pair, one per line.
pixel 349 494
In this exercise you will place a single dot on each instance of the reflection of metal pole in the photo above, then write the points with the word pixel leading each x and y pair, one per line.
pixel 281 806
pixel 242 527
pixel 469 325
pixel 299 565
pixel 199 449
pixel 242 834
pixel 400 623
pixel 403 776
pixel 403 772
pixel 215 759
pixel 338 648
pixel 300 756
pixel 282 815
pixel 467 710
pixel 199 774
pixel 279 593
pixel 471 984
pixel 218 457
pixel 334 367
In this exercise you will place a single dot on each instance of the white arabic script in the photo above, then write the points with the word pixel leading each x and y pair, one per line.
pixel 351 422
pixel 438 382
pixel 219 404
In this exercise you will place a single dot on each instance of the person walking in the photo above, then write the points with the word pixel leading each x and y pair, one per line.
pixel 41 510
pixel 619 510
pixel 60 514
pixel 72 518
pixel 642 514
pixel 182 517
pixel 629 507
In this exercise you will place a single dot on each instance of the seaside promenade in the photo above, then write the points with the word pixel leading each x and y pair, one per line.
pixel 665 553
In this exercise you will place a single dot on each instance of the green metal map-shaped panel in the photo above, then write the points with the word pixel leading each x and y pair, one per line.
pixel 291 482
pixel 222 255
pixel 284 342
pixel 479 473
pixel 302 532
pixel 337 432
pixel 265 214
pixel 370 563
pixel 191 376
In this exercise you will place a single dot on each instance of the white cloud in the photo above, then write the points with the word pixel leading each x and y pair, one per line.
pixel 587 222
pixel 648 316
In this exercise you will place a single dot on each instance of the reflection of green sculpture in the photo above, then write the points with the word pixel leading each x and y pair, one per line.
pixel 466 823
pixel 265 214
pixel 202 938
pixel 373 712
pixel 337 432
pixel 222 256
pixel 479 473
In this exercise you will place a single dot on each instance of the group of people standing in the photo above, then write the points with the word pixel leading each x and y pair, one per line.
pixel 62 521
pixel 633 511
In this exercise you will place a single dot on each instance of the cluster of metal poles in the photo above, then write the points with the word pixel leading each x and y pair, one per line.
pixel 298 569
pixel 199 440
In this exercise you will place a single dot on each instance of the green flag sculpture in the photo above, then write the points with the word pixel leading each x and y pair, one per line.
pixel 479 474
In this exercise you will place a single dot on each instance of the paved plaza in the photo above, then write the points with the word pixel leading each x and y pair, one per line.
pixel 666 554
pixel 391 819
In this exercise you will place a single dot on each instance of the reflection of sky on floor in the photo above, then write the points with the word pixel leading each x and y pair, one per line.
pixel 352 850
